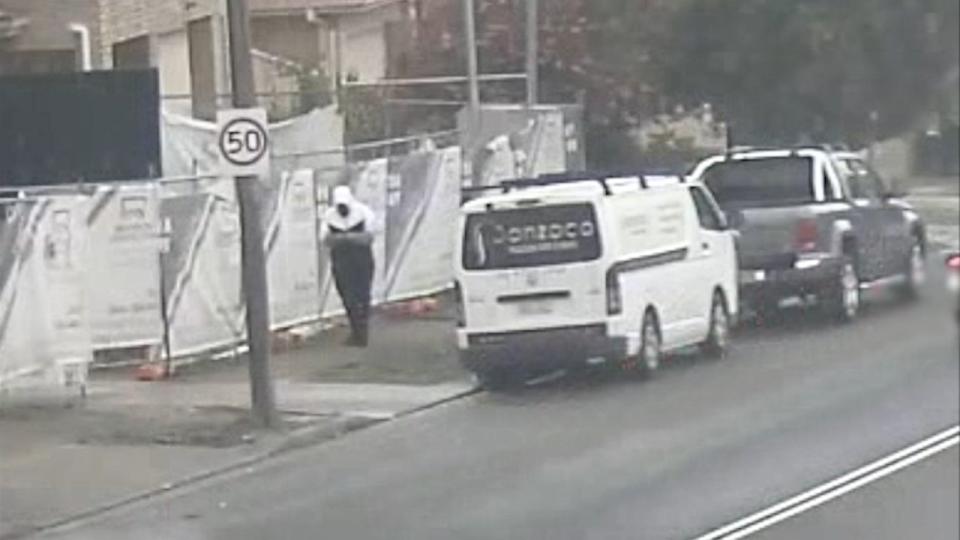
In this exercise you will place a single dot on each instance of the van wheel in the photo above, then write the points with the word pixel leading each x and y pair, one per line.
pixel 651 346
pixel 842 301
pixel 718 340
pixel 915 273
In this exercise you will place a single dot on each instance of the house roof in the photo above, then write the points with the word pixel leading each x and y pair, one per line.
pixel 319 6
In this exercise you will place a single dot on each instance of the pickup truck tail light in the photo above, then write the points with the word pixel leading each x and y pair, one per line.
pixel 805 235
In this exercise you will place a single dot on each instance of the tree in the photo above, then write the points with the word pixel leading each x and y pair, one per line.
pixel 820 68
pixel 364 113
pixel 778 71
pixel 314 86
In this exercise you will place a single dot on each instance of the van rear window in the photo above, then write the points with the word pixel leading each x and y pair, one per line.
pixel 528 237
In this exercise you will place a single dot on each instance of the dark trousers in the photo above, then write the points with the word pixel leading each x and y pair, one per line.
pixel 353 268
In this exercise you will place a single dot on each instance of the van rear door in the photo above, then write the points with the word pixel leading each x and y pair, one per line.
pixel 531 266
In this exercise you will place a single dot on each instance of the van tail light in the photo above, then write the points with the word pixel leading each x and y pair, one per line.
pixel 953 262
pixel 459 305
pixel 614 297
pixel 805 235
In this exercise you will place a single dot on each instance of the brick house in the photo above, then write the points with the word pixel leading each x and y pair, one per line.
pixel 346 38
pixel 187 41
pixel 44 36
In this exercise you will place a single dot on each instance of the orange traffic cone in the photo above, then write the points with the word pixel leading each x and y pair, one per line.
pixel 152 372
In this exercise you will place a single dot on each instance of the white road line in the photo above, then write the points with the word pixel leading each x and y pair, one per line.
pixel 837 487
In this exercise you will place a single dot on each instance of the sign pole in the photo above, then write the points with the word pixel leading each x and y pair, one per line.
pixel 254 279
pixel 533 53
pixel 470 25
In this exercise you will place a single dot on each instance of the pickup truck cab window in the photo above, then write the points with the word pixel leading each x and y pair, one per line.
pixel 759 182
pixel 862 183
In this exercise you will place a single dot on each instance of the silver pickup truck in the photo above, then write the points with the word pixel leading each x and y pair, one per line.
pixel 816 223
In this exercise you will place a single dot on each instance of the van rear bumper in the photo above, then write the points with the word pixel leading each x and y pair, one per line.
pixel 553 348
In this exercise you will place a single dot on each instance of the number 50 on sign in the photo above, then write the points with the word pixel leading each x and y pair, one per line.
pixel 243 142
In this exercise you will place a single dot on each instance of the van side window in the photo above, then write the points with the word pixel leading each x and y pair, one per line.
pixel 706 212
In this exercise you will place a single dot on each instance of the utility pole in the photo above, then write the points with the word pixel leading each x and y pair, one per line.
pixel 533 52
pixel 255 292
pixel 469 14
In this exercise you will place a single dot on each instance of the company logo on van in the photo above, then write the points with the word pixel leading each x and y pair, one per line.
pixel 545 232
pixel 526 237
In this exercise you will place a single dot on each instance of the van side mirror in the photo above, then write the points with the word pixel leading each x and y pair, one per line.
pixel 722 222
pixel 732 219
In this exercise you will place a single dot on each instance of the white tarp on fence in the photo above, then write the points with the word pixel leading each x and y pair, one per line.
pixel 422 214
pixel 512 142
pixel 292 253
pixel 189 145
pixel 20 316
pixel 43 319
pixel 62 294
pixel 201 271
pixel 122 267
pixel 47 268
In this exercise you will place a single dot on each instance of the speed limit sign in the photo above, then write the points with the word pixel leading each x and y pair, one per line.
pixel 243 142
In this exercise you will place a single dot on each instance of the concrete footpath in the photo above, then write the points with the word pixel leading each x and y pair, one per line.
pixel 63 457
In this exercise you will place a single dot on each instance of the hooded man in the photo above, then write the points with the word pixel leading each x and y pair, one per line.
pixel 349 226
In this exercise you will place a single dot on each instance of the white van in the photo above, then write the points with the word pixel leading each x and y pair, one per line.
pixel 556 272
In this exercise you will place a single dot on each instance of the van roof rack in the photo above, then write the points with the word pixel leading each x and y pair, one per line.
pixel 551 179
pixel 586 176
pixel 572 177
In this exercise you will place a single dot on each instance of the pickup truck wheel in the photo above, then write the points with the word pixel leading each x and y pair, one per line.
pixel 718 340
pixel 842 300
pixel 915 275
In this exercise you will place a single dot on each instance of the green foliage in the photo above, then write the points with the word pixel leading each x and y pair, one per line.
pixel 364 113
pixel 314 86
pixel 777 70
pixel 823 69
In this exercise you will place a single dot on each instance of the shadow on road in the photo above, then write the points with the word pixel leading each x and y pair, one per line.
pixel 792 323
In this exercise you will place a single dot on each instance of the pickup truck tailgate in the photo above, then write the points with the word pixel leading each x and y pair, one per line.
pixel 767 234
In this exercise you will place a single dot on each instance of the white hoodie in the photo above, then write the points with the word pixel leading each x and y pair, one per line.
pixel 358 213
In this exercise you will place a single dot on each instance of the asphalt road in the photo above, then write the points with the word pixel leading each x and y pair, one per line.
pixel 917 502
pixel 597 457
